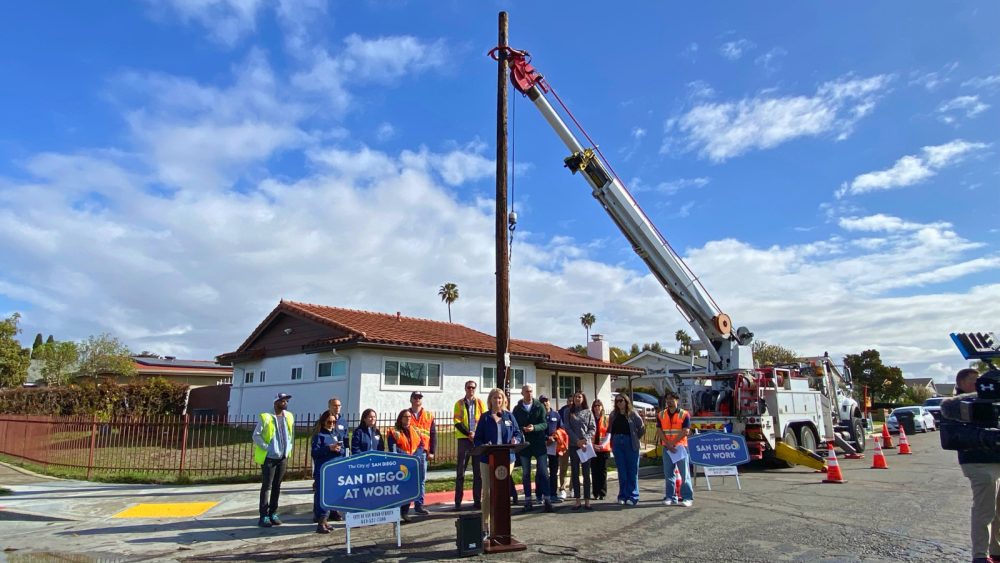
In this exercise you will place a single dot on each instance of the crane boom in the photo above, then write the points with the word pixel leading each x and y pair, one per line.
pixel 710 324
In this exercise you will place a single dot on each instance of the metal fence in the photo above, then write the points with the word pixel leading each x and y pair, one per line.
pixel 195 446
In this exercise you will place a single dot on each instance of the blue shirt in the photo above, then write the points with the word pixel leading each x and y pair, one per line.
pixel 365 439
pixel 340 431
pixel 321 453
pixel 489 431
pixel 554 420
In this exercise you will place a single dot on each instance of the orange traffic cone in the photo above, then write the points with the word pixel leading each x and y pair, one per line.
pixel 833 474
pixel 887 438
pixel 904 446
pixel 879 461
pixel 677 479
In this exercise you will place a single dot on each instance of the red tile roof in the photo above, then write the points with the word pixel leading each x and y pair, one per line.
pixel 381 328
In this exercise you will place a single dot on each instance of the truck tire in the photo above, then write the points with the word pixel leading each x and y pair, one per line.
pixel 858 435
pixel 807 438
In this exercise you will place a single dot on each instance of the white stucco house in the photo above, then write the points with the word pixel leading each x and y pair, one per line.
pixel 375 360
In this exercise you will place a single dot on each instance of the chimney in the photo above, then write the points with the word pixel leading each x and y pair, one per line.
pixel 399 316
pixel 598 349
pixel 170 358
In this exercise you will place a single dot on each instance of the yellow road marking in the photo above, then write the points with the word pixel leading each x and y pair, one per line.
pixel 166 510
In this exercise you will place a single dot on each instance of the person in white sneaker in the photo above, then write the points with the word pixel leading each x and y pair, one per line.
pixel 673 429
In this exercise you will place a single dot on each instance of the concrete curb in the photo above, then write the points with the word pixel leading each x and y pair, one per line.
pixel 23 471
pixel 21 516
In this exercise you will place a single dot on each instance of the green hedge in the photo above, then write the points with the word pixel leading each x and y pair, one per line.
pixel 149 397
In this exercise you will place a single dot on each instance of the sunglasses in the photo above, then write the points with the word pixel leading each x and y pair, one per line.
pixel 471 387
pixel 619 400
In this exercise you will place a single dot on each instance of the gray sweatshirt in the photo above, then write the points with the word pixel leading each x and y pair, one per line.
pixel 580 426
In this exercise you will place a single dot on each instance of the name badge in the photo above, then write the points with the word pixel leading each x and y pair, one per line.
pixel 507 422
pixel 340 427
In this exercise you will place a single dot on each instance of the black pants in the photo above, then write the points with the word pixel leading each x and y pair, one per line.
pixel 553 476
pixel 574 460
pixel 465 458
pixel 599 474
pixel 273 471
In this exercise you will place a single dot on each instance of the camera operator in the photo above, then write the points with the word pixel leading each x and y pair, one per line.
pixel 982 468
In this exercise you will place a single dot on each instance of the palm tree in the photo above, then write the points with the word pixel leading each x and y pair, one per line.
pixel 449 294
pixel 685 340
pixel 587 320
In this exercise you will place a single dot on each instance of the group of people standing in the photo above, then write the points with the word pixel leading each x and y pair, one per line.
pixel 580 437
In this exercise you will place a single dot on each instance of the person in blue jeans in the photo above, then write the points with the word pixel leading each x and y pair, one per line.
pixel 326 445
pixel 673 429
pixel 627 429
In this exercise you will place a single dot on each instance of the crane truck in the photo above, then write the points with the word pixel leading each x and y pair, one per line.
pixel 806 404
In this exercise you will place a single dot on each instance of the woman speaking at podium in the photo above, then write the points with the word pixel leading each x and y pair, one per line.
pixel 496 426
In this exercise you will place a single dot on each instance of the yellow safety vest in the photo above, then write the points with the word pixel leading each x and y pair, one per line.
pixel 462 414
pixel 267 433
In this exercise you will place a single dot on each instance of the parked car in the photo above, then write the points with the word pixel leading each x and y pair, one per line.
pixel 922 420
pixel 643 407
pixel 645 398
pixel 933 406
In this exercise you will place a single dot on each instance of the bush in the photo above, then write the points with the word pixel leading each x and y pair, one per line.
pixel 150 397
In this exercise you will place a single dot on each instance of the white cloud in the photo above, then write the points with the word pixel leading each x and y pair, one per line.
pixel 768 59
pixel 700 89
pixel 932 80
pixel 982 82
pixel 910 170
pixel 670 187
pixel 733 50
pixel 690 52
pixel 226 20
pixel 385 132
pixel 970 105
pixel 382 60
pixel 723 130
pixel 887 223
pixel 629 151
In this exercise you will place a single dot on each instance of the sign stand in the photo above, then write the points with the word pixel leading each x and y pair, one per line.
pixel 372 518
pixel 708 471
pixel 500 538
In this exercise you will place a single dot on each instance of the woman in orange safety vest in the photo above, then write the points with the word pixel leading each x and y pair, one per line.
pixel 602 447
pixel 404 438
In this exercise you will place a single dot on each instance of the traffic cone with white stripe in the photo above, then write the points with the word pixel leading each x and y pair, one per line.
pixel 886 437
pixel 904 446
pixel 878 462
pixel 833 474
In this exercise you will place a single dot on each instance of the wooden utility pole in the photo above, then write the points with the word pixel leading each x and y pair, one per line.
pixel 503 266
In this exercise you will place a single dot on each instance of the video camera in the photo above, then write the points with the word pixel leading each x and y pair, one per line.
pixel 974 424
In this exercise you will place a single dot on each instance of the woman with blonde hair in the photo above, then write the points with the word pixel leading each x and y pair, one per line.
pixel 627 429
pixel 496 426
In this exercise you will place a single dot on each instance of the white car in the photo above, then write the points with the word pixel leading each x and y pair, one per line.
pixel 644 408
pixel 922 419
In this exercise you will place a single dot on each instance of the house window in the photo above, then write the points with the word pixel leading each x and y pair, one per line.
pixel 409 373
pixel 568 386
pixel 261 377
pixel 331 369
pixel 490 378
pixel 296 374
pixel 248 377
pixel 516 378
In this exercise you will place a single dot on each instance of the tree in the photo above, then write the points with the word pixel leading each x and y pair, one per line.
pixel 619 356
pixel 587 320
pixel 685 348
pixel 50 339
pixel 980 366
pixel 449 294
pixel 14 360
pixel 917 394
pixel 772 354
pixel 578 349
pixel 885 383
pixel 60 361
pixel 654 347
pixel 38 342
pixel 105 355
pixel 147 354
pixel 634 350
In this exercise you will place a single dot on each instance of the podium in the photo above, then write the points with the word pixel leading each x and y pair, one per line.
pixel 500 540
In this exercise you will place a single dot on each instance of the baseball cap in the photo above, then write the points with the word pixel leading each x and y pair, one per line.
pixel 416 395
pixel 281 396
pixel 543 398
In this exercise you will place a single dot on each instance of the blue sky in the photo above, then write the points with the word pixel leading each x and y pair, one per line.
pixel 170 169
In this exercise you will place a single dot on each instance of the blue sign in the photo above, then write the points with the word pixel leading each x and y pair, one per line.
pixel 718 449
pixel 370 481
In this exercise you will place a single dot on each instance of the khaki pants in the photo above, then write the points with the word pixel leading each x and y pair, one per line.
pixel 563 468
pixel 985 481
pixel 484 469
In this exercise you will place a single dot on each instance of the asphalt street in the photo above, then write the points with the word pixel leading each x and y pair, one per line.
pixel 917 510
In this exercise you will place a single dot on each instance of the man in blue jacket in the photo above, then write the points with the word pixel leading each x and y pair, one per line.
pixel 340 433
